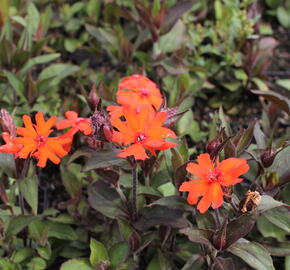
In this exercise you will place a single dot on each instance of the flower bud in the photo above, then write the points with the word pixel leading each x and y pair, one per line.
pixel 212 146
pixel 102 129
pixel 93 98
pixel 172 116
pixel 267 157
pixel 7 123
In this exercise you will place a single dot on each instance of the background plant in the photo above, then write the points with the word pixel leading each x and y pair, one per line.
pixel 223 63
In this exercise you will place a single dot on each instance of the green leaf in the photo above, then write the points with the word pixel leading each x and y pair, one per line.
pixel 168 189
pixel 281 163
pixel 159 262
pixel 149 191
pixel 253 254
pixel 63 218
pixel 280 217
pixel 57 72
pixel 61 231
pixel 4 12
pixel 7 163
pixel 176 159
pixel 71 44
pixel 38 231
pixel 33 18
pixel 232 86
pixel 44 252
pixel 119 253
pixel 194 262
pixel 42 59
pixel 173 40
pixel 6 265
pixel 21 255
pixel 278 249
pixel 225 122
pixel 267 203
pixel 98 252
pixel 17 224
pixel 260 137
pixel 283 16
pixel 93 9
pixel 71 178
pixel 17 85
pixel 104 199
pixel 268 229
pixel 37 263
pixel 284 83
pixel 125 229
pixel 76 264
pixel 29 189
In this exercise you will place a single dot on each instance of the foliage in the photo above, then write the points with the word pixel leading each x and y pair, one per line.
pixel 213 61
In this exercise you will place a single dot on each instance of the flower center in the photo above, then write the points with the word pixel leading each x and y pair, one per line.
pixel 141 137
pixel 144 92
pixel 215 175
pixel 40 140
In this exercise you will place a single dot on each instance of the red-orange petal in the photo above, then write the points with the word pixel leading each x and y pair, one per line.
pixel 196 186
pixel 135 150
pixel 42 158
pixel 64 124
pixel 216 195
pixel 26 150
pixel 85 127
pixel 192 198
pixel 232 168
pixel 197 170
pixel 72 116
pixel 205 161
pixel 204 203
pixel 29 129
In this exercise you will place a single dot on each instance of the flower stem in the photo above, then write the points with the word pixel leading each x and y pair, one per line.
pixel 147 180
pixel 134 193
pixel 216 211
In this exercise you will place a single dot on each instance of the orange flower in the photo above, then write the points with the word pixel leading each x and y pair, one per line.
pixel 10 147
pixel 77 123
pixel 137 89
pixel 210 180
pixel 35 141
pixel 118 111
pixel 142 130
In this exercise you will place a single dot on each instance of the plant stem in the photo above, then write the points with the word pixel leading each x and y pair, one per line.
pixel 216 211
pixel 121 194
pixel 134 193
pixel 21 201
pixel 147 180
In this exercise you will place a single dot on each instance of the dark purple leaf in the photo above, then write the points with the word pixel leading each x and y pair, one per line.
pixel 245 139
pixel 221 263
pixel 239 227
pixel 160 215
pixel 282 102
pixel 180 175
pixel 105 199
pixel 198 236
pixel 174 13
